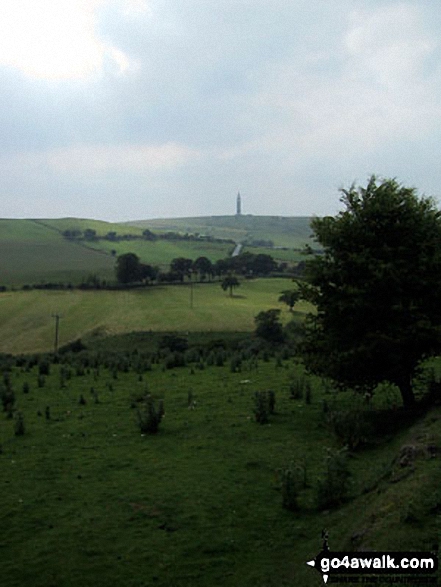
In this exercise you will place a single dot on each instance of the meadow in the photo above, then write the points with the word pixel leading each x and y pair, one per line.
pixel 31 253
pixel 284 231
pixel 27 325
pixel 35 251
pixel 89 500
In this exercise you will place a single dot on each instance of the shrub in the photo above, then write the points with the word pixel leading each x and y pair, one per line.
pixel 332 489
pixel 175 359
pixel 150 416
pixel 291 481
pixel 261 407
pixel 296 389
pixel 19 428
pixel 235 364
pixel 350 427
pixel 7 398
pixel 43 367
pixel 271 401
pixel 308 394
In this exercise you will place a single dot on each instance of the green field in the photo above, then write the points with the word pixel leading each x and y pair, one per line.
pixel 88 500
pixel 35 251
pixel 26 323
pixel 284 231
pixel 32 253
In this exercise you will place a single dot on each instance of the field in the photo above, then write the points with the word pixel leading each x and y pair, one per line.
pixel 215 497
pixel 291 232
pixel 27 325
pixel 32 253
pixel 89 500
pixel 35 251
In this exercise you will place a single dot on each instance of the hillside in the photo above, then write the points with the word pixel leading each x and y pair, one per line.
pixel 35 251
pixel 32 252
pixel 26 323
pixel 283 231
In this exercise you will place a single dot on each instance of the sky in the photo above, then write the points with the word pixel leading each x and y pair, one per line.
pixel 133 109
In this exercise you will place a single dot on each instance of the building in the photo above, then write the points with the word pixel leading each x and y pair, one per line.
pixel 238 205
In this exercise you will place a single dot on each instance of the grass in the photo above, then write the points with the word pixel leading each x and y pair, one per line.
pixel 33 253
pixel 161 252
pixel 26 323
pixel 292 232
pixel 88 501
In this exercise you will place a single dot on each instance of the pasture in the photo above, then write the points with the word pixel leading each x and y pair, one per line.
pixel 284 231
pixel 26 323
pixel 32 253
pixel 89 500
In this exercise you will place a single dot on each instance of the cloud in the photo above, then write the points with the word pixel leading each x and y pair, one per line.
pixel 92 159
pixel 282 99
pixel 379 90
pixel 56 39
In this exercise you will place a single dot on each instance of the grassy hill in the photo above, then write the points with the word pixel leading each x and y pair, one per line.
pixel 26 323
pixel 89 500
pixel 31 252
pixel 35 251
pixel 291 232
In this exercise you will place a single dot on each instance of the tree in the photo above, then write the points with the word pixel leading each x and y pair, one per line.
pixel 181 266
pixel 128 268
pixel 290 298
pixel 203 266
pixel 148 272
pixel 376 288
pixel 230 282
pixel 89 234
pixel 268 325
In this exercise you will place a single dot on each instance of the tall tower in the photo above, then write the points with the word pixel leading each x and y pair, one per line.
pixel 238 205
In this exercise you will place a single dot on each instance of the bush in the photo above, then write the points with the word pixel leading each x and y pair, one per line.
pixel 43 367
pixel 7 398
pixel 350 426
pixel 332 489
pixel 19 428
pixel 296 389
pixel 150 416
pixel 291 481
pixel 235 364
pixel 261 407
pixel 271 401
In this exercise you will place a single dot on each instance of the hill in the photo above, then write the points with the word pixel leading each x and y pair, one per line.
pixel 283 231
pixel 32 252
pixel 36 251
pixel 89 499
pixel 26 323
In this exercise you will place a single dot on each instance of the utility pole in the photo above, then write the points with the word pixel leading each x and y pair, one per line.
pixel 57 326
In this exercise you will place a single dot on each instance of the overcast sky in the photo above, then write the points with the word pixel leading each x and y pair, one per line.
pixel 133 109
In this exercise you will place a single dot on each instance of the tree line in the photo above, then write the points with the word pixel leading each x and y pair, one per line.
pixel 130 269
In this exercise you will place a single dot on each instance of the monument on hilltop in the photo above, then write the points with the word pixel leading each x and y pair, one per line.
pixel 238 205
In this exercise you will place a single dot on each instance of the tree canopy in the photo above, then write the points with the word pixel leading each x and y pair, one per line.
pixel 376 287
pixel 230 282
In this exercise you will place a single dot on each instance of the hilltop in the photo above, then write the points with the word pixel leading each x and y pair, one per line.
pixel 283 231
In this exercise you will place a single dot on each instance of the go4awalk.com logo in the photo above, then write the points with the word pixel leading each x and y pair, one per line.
pixel 408 568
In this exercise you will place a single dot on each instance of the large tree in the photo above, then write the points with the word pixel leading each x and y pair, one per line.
pixel 230 282
pixel 128 268
pixel 376 288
